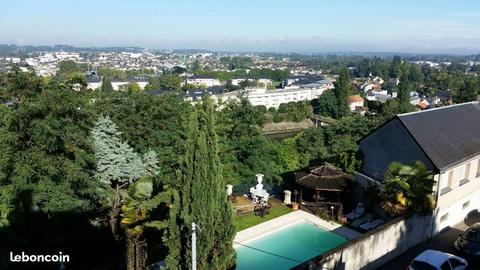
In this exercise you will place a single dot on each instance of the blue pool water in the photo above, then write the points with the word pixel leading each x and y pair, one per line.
pixel 300 242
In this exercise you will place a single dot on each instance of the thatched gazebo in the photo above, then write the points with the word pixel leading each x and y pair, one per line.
pixel 326 182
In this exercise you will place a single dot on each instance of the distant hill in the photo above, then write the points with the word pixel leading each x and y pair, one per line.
pixel 8 49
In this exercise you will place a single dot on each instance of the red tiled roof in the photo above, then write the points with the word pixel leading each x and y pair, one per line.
pixel 355 98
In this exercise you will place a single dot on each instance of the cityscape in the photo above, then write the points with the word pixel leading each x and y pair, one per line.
pixel 207 135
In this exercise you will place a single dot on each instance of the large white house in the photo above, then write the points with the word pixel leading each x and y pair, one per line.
pixel 203 81
pixel 447 141
pixel 116 85
pixel 356 103
pixel 264 82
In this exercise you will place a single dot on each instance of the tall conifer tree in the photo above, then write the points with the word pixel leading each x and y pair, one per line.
pixel 202 199
pixel 117 164
pixel 343 89
pixel 404 88
pixel 106 84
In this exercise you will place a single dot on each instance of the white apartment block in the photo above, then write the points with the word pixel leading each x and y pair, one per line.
pixel 272 98
pixel 203 81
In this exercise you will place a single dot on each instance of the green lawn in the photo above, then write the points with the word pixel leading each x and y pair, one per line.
pixel 248 220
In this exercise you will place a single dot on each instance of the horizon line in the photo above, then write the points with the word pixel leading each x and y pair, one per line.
pixel 248 51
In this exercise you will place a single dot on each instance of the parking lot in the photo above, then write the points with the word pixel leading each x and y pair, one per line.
pixel 443 242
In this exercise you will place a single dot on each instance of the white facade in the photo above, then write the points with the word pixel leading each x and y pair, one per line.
pixel 378 80
pixel 458 193
pixel 116 85
pixel 67 56
pixel 381 95
pixel 272 98
pixel 265 81
pixel 206 82
pixel 237 81
pixel 414 98
pixel 354 105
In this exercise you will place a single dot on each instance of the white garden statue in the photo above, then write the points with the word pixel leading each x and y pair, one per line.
pixel 257 192
pixel 229 190
pixel 288 197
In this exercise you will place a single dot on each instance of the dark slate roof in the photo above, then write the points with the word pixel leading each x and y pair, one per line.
pixel 448 135
pixel 443 95
pixel 199 93
pixel 196 94
pixel 215 90
pixel 201 76
pixel 307 79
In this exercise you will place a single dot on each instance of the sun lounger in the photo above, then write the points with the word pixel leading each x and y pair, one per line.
pixel 362 220
pixel 372 224
pixel 356 213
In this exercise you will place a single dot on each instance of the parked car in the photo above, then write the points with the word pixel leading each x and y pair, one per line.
pixel 468 242
pixel 437 260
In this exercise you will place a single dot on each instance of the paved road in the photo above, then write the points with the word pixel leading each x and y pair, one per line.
pixel 443 242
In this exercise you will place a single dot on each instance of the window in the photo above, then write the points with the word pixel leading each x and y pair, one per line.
pixel 465 204
pixel 463 182
pixel 478 168
pixel 467 171
pixel 450 178
pixel 447 188
pixel 444 217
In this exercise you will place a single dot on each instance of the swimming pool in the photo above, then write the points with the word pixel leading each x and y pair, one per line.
pixel 297 242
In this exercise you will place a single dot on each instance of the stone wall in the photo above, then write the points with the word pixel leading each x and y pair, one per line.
pixel 376 247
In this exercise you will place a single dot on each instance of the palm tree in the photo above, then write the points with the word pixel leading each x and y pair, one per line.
pixel 142 198
pixel 408 188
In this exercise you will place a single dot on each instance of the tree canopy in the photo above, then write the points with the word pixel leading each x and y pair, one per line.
pixel 343 89
pixel 202 199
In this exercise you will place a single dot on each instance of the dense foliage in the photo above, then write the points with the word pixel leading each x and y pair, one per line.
pixel 408 188
pixel 164 82
pixel 84 158
pixel 201 199
pixel 343 89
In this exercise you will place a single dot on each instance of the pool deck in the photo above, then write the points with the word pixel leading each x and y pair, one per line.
pixel 275 224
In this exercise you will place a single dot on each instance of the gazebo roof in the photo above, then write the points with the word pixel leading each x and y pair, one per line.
pixel 325 177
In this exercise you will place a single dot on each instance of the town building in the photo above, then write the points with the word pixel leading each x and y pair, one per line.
pixel 447 141
pixel 356 104
pixel 117 84
pixel 273 98
pixel 203 80
pixel 260 96
pixel 379 95
pixel 196 95
pixel 262 81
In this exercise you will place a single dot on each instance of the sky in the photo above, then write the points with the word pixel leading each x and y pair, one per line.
pixel 305 26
